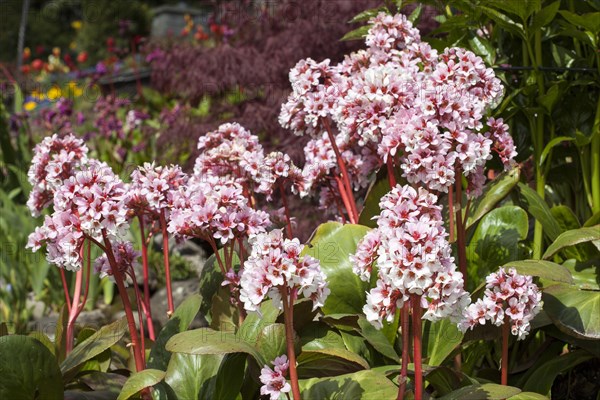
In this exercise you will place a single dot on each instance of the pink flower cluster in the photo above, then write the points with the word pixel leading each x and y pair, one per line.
pixel 151 188
pixel 125 257
pixel 88 204
pixel 273 380
pixel 398 98
pixel 503 143
pixel 54 160
pixel 275 265
pixel 214 207
pixel 509 298
pixel 233 152
pixel 413 258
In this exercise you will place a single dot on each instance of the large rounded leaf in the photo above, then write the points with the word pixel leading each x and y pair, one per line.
pixel 576 312
pixel 333 243
pixel 542 379
pixel 28 370
pixel 208 341
pixel 191 375
pixel 139 381
pixel 493 192
pixel 362 385
pixel 543 269
pixel 487 391
pixel 495 241
pixel 440 338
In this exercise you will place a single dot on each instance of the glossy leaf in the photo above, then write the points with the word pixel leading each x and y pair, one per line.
pixel 486 391
pixel 328 362
pixel 571 238
pixel 576 312
pixel 585 276
pixel 271 342
pixel 356 34
pixel 139 381
pixel 537 207
pixel 377 339
pixel 545 16
pixel 543 269
pixel 529 396
pixel 255 322
pixel 208 341
pixel 333 243
pixel 367 14
pixel 370 209
pixel 542 379
pixel 180 320
pixel 230 377
pixel 362 385
pixel 28 370
pixel 440 338
pixel 495 241
pixel 190 375
pixel 103 339
pixel 493 193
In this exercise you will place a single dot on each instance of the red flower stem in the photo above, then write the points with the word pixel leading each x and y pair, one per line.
pixel 345 177
pixel 288 221
pixel 135 344
pixel 63 278
pixel 74 311
pixel 165 237
pixel 87 277
pixel 405 326
pixel 451 214
pixel 504 365
pixel 337 203
pixel 391 175
pixel 242 255
pixel 417 359
pixel 288 316
pixel 345 200
pixel 138 299
pixel 212 243
pixel 146 276
pixel 461 241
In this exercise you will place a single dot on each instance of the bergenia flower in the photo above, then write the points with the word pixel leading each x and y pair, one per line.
pixel 273 380
pixel 275 267
pixel 54 160
pixel 88 204
pixel 509 298
pixel 413 256
pixel 126 259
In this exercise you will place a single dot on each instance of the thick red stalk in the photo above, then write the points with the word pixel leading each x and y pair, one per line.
pixel 390 170
pixel 504 364
pixel 288 316
pixel 288 225
pixel 146 276
pixel 74 311
pixel 63 279
pixel 460 234
pixel 405 326
pixel 138 299
pixel 165 238
pixel 417 359
pixel 345 176
pixel 135 343
pixel 344 196
pixel 451 214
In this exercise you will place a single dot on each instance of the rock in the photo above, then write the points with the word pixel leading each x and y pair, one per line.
pixel 181 290
pixel 194 254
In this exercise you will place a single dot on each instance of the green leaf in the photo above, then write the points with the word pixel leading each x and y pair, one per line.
pixel 356 34
pixel 493 193
pixel 378 189
pixel 545 16
pixel 523 8
pixel 255 322
pixel 211 279
pixel 377 339
pixel 537 207
pixel 332 244
pixel 549 99
pixel 60 338
pixel 543 269
pixel 103 339
pixel 504 21
pixel 593 220
pixel 180 320
pixel 367 15
pixel 208 341
pixel 486 391
pixel 440 338
pixel 271 342
pixel 495 241
pixel 528 396
pixel 573 311
pixel 191 376
pixel 28 370
pixel 551 144
pixel 18 98
pixel 139 381
pixel 483 48
pixel 585 276
pixel 42 338
pixel 230 377
pixel 414 16
pixel 329 362
pixel 571 238
pixel 589 21
pixel 362 385
pixel 542 379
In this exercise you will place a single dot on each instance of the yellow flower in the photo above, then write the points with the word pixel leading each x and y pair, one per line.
pixel 37 95
pixel 30 105
pixel 54 93
pixel 76 25
pixel 74 89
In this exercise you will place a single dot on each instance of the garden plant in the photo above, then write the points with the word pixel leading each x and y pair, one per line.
pixel 459 175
